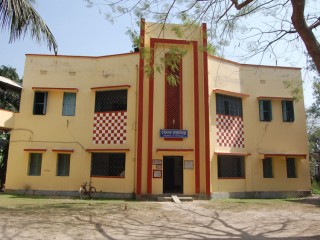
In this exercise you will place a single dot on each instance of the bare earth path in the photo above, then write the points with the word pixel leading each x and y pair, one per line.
pixel 42 218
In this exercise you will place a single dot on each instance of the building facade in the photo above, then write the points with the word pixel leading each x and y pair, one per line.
pixel 223 130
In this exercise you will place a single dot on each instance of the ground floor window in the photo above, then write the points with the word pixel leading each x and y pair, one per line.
pixel 108 164
pixel 231 166
pixel 35 160
pixel 63 167
pixel 291 168
pixel 267 168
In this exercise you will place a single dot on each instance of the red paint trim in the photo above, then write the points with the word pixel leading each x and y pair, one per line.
pixel 283 155
pixel 274 98
pixel 107 150
pixel 63 150
pixel 230 178
pixel 55 89
pixel 196 118
pixel 76 56
pixel 235 94
pixel 150 120
pixel 232 153
pixel 35 149
pixel 173 139
pixel 110 87
pixel 140 108
pixel 206 108
pixel 107 177
pixel 174 150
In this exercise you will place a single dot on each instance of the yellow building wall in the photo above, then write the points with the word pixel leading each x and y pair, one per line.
pixel 6 119
pixel 54 131
pixel 275 137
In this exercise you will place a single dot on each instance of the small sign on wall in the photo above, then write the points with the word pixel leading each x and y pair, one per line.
pixel 156 161
pixel 157 173
pixel 188 164
pixel 173 133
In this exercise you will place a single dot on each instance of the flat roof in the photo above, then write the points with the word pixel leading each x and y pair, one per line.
pixel 10 82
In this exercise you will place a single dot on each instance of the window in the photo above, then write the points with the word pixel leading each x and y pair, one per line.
pixel 173 107
pixel 291 168
pixel 40 103
pixel 228 105
pixel 107 101
pixel 231 167
pixel 287 111
pixel 267 168
pixel 63 167
pixel 265 109
pixel 35 160
pixel 69 104
pixel 108 164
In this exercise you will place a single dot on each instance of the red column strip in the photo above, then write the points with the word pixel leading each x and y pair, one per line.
pixel 206 108
pixel 196 117
pixel 140 108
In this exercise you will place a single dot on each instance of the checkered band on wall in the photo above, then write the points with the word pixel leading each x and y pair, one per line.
pixel 110 127
pixel 230 131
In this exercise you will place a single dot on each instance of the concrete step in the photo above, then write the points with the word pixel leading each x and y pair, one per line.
pixel 169 199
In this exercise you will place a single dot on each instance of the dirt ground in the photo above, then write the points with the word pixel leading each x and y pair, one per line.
pixel 44 218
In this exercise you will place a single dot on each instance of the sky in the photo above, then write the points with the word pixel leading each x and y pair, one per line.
pixel 84 31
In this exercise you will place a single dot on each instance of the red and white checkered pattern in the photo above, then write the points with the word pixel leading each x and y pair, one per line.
pixel 110 127
pixel 230 131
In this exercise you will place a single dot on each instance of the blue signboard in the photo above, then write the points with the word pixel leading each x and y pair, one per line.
pixel 173 133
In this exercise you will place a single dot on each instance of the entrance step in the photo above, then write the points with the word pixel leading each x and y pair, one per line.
pixel 170 199
pixel 175 199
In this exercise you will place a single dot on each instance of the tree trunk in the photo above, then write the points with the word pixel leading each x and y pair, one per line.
pixel 306 34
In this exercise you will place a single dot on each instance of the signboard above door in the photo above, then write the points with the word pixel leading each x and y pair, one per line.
pixel 173 133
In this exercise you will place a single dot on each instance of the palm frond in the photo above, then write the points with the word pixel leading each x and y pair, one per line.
pixel 20 17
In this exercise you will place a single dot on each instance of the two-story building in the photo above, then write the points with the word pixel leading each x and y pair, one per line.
pixel 224 130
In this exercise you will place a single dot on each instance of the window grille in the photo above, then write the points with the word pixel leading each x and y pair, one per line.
pixel 108 164
pixel 265 110
pixel 231 167
pixel 287 111
pixel 173 83
pixel 107 101
pixel 69 104
pixel 228 105
pixel 63 167
pixel 267 168
pixel 40 103
pixel 291 168
pixel 35 160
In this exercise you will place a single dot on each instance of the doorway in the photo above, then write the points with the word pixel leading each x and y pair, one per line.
pixel 172 174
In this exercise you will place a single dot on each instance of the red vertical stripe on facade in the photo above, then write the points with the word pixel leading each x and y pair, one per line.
pixel 150 119
pixel 206 108
pixel 140 108
pixel 196 117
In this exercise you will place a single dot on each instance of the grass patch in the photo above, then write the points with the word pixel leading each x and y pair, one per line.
pixel 315 187
pixel 47 204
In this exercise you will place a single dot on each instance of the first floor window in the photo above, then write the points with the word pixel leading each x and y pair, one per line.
pixel 40 103
pixel 108 164
pixel 35 160
pixel 291 168
pixel 69 104
pixel 228 105
pixel 63 167
pixel 231 166
pixel 265 110
pixel 287 111
pixel 267 168
pixel 108 101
